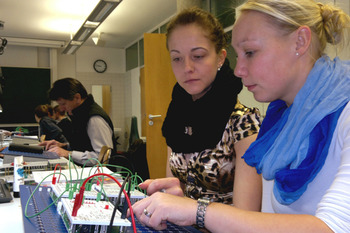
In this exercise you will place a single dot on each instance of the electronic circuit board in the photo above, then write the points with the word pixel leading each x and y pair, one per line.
pixel 51 221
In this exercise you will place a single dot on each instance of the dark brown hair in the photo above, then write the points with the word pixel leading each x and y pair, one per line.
pixel 203 19
pixel 66 88
pixel 42 110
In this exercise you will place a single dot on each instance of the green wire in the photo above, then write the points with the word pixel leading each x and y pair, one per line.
pixel 30 197
pixel 134 178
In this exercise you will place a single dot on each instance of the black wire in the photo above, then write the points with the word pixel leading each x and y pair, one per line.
pixel 117 204
pixel 125 204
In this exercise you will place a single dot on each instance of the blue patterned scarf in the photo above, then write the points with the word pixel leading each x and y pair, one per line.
pixel 293 142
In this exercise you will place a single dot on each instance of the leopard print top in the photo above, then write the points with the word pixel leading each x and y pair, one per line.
pixel 210 173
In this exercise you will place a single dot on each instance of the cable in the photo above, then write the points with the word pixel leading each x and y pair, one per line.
pixel 79 198
pixel 116 205
pixel 132 180
pixel 54 171
pixel 32 194
pixel 125 206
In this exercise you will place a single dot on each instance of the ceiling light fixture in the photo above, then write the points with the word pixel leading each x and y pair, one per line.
pixel 35 42
pixel 98 41
pixel 93 21
pixel 95 40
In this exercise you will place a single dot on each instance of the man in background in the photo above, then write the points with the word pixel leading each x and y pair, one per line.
pixel 92 128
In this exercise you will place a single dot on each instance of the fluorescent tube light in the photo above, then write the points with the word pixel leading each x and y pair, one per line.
pixel 35 42
pixel 72 49
pixel 93 21
pixel 76 43
pixel 105 11
pixel 90 24
pixel 83 34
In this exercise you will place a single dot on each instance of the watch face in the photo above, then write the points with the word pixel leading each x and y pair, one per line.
pixel 100 66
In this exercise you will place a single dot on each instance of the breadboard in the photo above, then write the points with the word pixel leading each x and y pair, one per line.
pixel 73 174
pixel 51 221
pixel 91 213
pixel 32 166
pixel 59 188
pixel 111 191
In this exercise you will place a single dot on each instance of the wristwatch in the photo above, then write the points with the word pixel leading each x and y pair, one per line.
pixel 202 207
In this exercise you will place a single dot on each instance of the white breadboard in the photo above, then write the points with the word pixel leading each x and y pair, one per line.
pixel 60 188
pixel 90 213
pixel 73 174
pixel 111 190
pixel 31 167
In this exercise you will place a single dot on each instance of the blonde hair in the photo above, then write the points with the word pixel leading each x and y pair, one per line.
pixel 327 22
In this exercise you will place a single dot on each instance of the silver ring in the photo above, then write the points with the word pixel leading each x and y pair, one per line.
pixel 162 190
pixel 146 213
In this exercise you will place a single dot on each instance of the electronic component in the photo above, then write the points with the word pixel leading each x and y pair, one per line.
pixel 60 188
pixel 51 221
pixel 92 216
pixel 78 174
pixel 111 190
pixel 29 167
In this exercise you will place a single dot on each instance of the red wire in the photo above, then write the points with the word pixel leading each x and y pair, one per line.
pixel 54 171
pixel 125 194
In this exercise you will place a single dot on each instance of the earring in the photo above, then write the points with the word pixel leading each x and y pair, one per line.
pixel 219 68
pixel 297 54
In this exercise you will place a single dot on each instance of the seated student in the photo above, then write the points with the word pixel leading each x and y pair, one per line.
pixel 91 126
pixel 63 122
pixel 47 125
pixel 302 150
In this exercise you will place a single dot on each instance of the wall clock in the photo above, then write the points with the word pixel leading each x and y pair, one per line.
pixel 100 66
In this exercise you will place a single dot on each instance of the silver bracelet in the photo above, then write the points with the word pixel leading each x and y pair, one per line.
pixel 201 209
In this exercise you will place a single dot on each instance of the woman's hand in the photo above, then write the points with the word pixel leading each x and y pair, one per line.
pixel 169 185
pixel 154 211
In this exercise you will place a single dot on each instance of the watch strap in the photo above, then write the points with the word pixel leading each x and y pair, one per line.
pixel 201 209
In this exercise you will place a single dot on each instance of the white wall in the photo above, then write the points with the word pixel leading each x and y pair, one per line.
pixel 20 56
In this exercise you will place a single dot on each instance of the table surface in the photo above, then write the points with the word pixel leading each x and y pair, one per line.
pixel 11 216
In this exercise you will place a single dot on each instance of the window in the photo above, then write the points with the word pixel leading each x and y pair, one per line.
pixel 131 57
pixel 141 55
